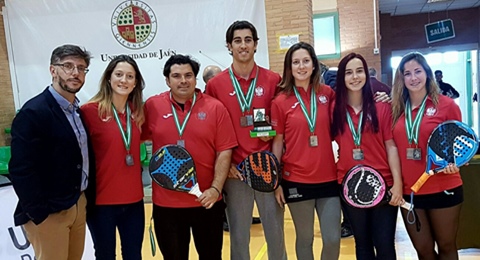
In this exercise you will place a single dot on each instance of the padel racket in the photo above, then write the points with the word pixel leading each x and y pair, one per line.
pixel 261 171
pixel 172 168
pixel 365 187
pixel 450 142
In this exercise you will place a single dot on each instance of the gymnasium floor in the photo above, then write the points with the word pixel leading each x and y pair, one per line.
pixel 404 247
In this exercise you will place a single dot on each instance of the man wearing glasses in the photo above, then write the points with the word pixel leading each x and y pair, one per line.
pixel 51 165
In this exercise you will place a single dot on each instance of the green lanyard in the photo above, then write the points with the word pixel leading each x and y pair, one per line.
pixel 181 127
pixel 313 108
pixel 244 101
pixel 357 135
pixel 413 128
pixel 127 137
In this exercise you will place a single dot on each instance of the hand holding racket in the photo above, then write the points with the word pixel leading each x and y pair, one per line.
pixel 261 171
pixel 451 142
pixel 172 168
pixel 365 187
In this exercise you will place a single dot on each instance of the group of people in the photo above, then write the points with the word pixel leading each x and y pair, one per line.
pixel 74 166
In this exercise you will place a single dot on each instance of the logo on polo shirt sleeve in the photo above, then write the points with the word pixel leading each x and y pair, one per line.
pixel 323 99
pixel 259 91
pixel 202 115
pixel 431 111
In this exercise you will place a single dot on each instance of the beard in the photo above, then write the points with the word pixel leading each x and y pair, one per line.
pixel 63 84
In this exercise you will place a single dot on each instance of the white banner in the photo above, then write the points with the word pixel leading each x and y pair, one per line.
pixel 13 241
pixel 149 30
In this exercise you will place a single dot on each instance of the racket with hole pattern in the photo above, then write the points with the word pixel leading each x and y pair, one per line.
pixel 172 168
pixel 450 142
pixel 365 187
pixel 261 171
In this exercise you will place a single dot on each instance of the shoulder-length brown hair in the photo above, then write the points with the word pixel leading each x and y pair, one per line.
pixel 104 95
pixel 400 92
pixel 288 81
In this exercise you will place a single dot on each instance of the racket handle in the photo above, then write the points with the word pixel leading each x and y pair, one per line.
pixel 406 205
pixel 416 187
pixel 196 190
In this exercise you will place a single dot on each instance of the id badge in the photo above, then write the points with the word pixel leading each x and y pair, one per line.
pixel 181 143
pixel 243 121
pixel 313 141
pixel 129 160
pixel 414 154
pixel 249 119
pixel 357 154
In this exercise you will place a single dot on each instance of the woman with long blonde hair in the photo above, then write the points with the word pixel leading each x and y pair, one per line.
pixel 114 117
pixel 417 110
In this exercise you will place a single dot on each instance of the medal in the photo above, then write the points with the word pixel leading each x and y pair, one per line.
pixel 357 154
pixel 243 121
pixel 312 117
pixel 181 143
pixel 181 127
pixel 126 136
pixel 313 141
pixel 245 101
pixel 414 154
pixel 413 129
pixel 249 119
pixel 129 160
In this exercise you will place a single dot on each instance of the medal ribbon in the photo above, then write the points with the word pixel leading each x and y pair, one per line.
pixel 181 127
pixel 313 108
pixel 126 136
pixel 413 128
pixel 357 135
pixel 244 101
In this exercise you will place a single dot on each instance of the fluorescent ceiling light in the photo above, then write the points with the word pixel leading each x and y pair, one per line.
pixel 437 1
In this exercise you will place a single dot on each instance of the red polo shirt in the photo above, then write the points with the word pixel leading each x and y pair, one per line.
pixel 116 182
pixel 208 131
pixel 303 163
pixel 372 144
pixel 446 109
pixel 221 88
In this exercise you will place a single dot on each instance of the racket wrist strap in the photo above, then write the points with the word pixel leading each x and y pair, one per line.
pixel 216 189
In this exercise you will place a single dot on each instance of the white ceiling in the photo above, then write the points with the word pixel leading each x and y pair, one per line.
pixel 404 7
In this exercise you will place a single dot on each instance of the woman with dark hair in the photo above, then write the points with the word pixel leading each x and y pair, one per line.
pixel 363 130
pixel 114 117
pixel 301 116
pixel 417 110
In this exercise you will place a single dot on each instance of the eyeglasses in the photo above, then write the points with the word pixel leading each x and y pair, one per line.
pixel 69 67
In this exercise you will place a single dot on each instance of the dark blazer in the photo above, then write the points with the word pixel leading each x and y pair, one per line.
pixel 46 162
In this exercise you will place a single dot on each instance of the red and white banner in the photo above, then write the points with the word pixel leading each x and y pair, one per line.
pixel 148 30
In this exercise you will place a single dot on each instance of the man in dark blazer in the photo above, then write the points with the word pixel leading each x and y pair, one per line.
pixel 51 164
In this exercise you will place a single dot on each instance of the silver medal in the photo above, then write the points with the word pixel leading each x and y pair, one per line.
pixel 129 160
pixel 357 154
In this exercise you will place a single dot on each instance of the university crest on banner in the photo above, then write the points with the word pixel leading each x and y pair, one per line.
pixel 134 24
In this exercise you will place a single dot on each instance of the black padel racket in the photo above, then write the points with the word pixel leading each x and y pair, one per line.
pixel 172 168
pixel 450 142
pixel 261 171
pixel 365 187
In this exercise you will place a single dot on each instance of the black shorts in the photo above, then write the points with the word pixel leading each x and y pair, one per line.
pixel 444 199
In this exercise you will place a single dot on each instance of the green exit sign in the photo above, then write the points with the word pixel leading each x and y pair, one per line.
pixel 439 31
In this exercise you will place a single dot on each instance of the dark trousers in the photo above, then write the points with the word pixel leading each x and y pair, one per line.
pixel 345 221
pixel 130 221
pixel 173 226
pixel 374 231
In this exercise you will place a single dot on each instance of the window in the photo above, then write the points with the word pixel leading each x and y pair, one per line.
pixel 326 35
